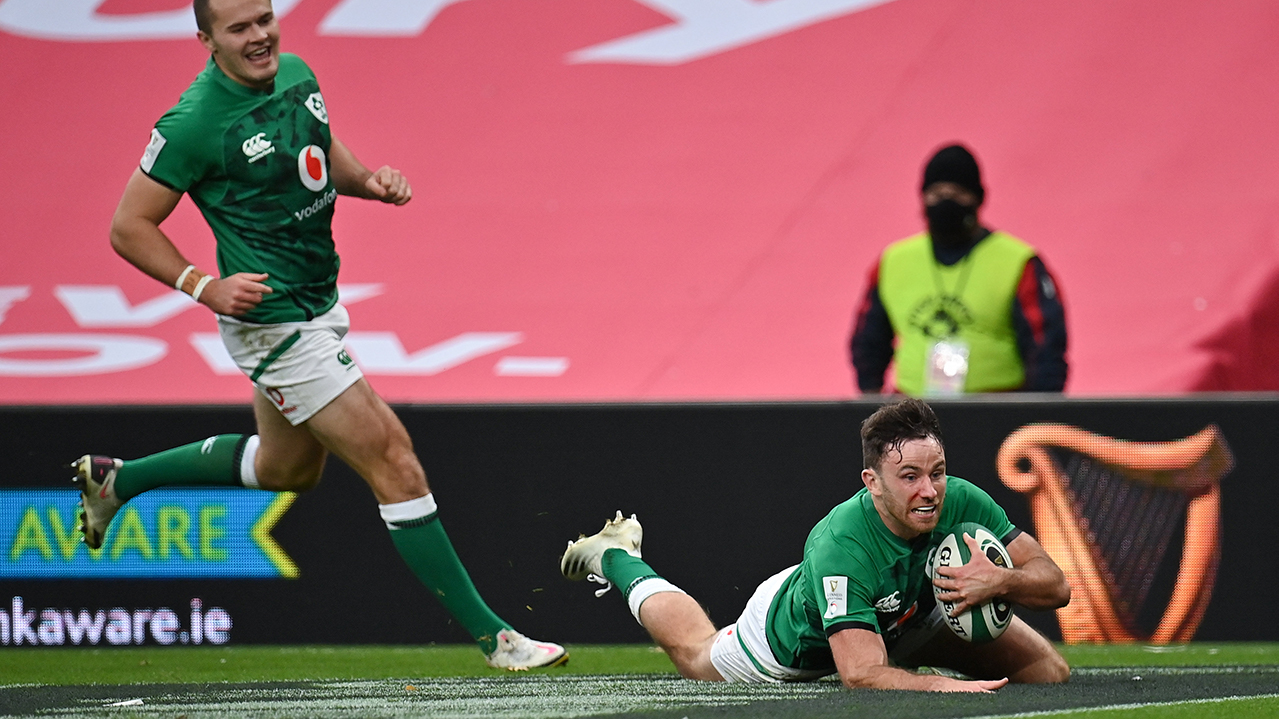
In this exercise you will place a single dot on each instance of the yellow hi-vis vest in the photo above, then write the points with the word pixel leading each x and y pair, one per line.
pixel 970 300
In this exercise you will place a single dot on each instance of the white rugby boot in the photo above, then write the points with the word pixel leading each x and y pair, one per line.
pixel 518 653
pixel 582 557
pixel 95 476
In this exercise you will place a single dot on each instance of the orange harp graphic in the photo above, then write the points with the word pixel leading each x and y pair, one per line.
pixel 1105 510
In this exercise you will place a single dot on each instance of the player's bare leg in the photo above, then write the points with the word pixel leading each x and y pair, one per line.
pixel 289 458
pixel 680 627
pixel 362 430
pixel 1022 654
pixel 674 619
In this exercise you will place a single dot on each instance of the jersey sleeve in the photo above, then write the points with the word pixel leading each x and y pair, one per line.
pixel 181 152
pixel 844 584
pixel 975 505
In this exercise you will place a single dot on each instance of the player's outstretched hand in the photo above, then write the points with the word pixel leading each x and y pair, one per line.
pixel 389 185
pixel 977 686
pixel 982 685
pixel 235 295
pixel 971 584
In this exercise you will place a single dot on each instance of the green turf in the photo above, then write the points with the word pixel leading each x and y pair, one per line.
pixel 1233 708
pixel 451 683
pixel 1242 708
pixel 1195 654
pixel 128 665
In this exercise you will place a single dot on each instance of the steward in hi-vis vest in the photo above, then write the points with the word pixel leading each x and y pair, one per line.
pixel 959 308
pixel 969 301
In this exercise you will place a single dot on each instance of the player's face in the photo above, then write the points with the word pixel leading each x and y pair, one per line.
pixel 909 487
pixel 245 41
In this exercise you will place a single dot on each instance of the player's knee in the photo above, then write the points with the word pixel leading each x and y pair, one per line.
pixel 292 478
pixel 306 480
pixel 1057 671
pixel 693 662
pixel 687 666
pixel 1050 669
pixel 404 467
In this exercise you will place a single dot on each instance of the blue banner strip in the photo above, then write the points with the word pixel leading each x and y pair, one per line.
pixel 161 534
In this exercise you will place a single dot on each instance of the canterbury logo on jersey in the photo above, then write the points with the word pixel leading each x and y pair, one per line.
pixel 257 147
pixel 889 604
pixel 312 168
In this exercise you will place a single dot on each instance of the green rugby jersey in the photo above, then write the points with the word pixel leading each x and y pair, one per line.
pixel 858 574
pixel 256 164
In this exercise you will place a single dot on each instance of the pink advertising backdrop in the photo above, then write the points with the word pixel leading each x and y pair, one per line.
pixel 634 200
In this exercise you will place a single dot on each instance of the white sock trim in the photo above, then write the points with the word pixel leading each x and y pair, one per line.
pixel 249 477
pixel 645 589
pixel 407 511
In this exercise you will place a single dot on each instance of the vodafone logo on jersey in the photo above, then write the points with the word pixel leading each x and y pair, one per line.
pixel 312 168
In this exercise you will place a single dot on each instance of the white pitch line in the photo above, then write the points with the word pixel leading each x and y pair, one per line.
pixel 1175 671
pixel 1136 705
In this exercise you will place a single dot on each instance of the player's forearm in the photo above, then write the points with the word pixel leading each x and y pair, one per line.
pixel 353 183
pixel 1038 584
pixel 145 246
pixel 349 174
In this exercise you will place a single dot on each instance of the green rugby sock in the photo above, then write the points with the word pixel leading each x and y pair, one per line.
pixel 625 571
pixel 211 462
pixel 426 548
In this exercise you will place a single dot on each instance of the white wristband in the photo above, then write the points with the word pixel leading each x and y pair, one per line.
pixel 183 277
pixel 199 287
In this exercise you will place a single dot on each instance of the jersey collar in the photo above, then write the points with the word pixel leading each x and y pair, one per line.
pixel 220 78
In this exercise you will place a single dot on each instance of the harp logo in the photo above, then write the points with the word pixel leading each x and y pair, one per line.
pixel 836 596
pixel 1077 482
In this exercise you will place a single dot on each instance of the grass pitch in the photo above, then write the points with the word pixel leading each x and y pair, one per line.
pixel 1227 680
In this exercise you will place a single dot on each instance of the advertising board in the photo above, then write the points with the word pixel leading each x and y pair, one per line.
pixel 727 494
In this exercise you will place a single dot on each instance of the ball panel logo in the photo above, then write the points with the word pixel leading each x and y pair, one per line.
pixel 312 168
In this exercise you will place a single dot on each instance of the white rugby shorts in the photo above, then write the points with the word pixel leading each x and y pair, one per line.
pixel 300 366
pixel 740 651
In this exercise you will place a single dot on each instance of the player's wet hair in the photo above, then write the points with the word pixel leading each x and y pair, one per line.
pixel 203 16
pixel 895 424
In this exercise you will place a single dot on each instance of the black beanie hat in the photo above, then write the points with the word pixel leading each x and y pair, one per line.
pixel 954 163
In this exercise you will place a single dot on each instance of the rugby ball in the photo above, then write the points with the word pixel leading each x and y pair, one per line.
pixel 987 621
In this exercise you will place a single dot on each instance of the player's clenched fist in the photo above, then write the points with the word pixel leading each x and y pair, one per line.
pixel 389 185
pixel 235 295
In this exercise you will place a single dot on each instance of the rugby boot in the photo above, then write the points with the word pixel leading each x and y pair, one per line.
pixel 583 555
pixel 95 476
pixel 518 653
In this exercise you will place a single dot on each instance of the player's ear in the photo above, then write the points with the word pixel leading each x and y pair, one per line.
pixel 871 480
pixel 205 40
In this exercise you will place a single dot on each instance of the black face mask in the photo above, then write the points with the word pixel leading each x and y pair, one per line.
pixel 949 220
